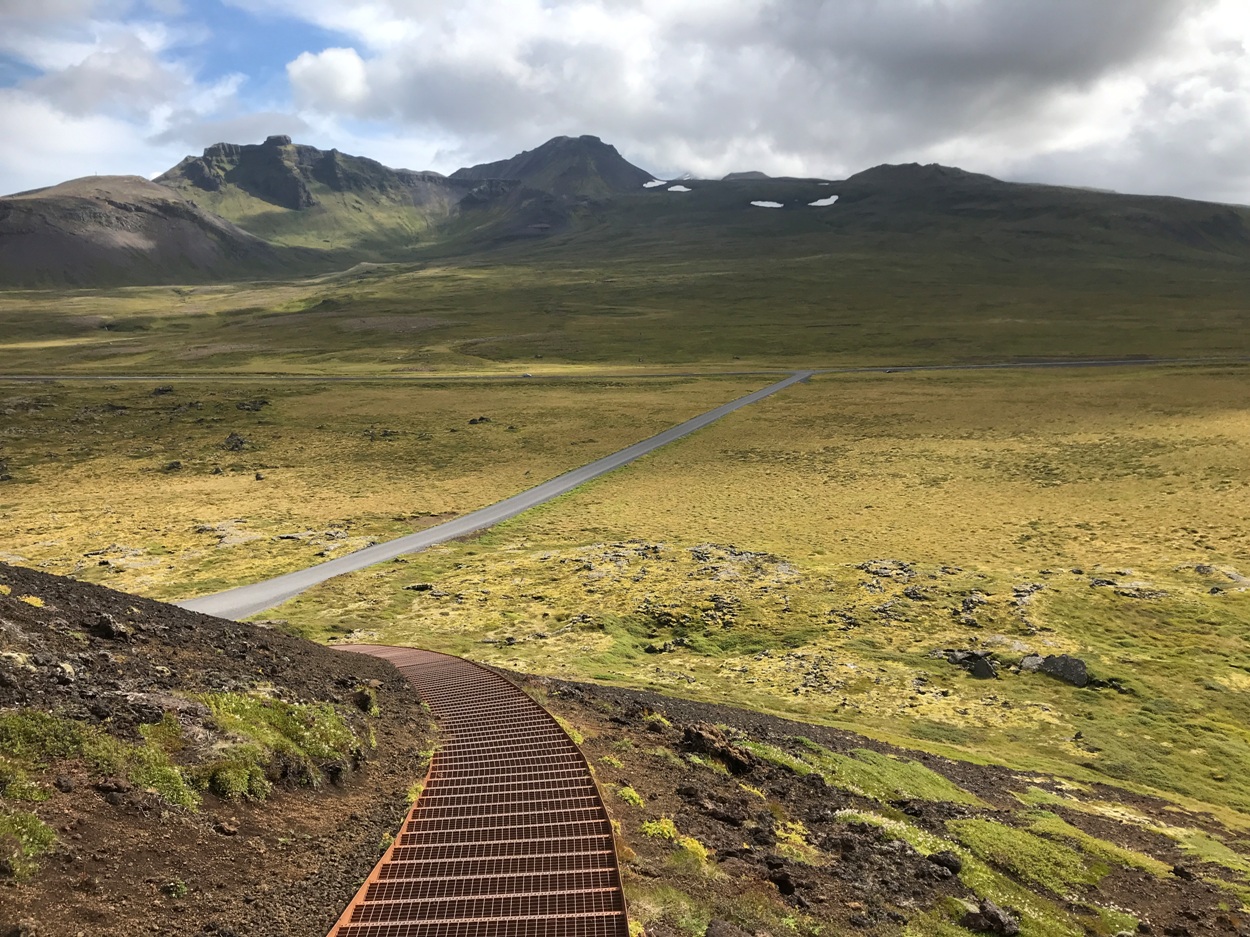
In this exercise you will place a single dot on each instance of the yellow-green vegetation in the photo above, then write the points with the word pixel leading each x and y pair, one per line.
pixel 612 761
pixel 884 777
pixel 1055 827
pixel 157 494
pixel 792 843
pixel 23 838
pixel 1031 858
pixel 807 555
pixel 1040 916
pixel 30 740
pixel 629 795
pixel 691 854
pixel 295 741
pixel 663 828
pixel 655 285
pixel 570 730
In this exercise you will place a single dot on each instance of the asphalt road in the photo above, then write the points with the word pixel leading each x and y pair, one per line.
pixel 248 600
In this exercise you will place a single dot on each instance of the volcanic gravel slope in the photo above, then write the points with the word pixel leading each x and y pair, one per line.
pixel 124 861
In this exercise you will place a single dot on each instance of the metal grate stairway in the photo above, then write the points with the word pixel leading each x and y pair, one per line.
pixel 509 838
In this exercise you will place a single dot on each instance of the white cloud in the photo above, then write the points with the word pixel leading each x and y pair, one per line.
pixel 1146 95
pixel 55 146
pixel 332 80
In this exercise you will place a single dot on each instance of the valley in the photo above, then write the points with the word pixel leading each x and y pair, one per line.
pixel 933 628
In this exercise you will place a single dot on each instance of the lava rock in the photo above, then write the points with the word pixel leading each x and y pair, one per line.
pixel 704 739
pixel 991 919
pixel 234 443
pixel 947 860
pixel 983 669
pixel 1066 668
pixel 106 626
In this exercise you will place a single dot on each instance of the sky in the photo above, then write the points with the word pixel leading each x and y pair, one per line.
pixel 1148 96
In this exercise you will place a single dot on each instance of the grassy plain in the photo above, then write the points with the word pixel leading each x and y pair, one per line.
pixel 773 300
pixel 95 491
pixel 806 556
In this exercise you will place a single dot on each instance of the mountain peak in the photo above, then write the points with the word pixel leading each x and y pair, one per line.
pixel 906 175
pixel 571 166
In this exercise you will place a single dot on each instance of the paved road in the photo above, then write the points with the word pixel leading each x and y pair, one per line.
pixel 248 600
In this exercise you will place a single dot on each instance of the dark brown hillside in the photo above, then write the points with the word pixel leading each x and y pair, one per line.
pixel 121 229
pixel 93 681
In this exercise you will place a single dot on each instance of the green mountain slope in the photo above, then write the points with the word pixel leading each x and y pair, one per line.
pixel 293 195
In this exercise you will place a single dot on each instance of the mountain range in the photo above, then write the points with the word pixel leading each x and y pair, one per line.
pixel 280 208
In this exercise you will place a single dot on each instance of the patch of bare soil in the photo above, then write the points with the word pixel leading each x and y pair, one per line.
pixel 127 863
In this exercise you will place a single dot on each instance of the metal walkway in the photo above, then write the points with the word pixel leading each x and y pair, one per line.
pixel 509 838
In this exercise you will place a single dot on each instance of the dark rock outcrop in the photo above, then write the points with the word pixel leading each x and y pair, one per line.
pixel 1066 668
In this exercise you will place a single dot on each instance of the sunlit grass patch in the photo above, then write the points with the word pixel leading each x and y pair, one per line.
pixel 886 777
pixel 1051 825
pixel 1032 858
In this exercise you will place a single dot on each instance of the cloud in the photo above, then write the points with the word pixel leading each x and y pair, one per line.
pixel 1068 87
pixel 54 146
pixel 115 89
pixel 1142 95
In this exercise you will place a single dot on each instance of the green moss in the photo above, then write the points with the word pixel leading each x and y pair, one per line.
pixel 663 828
pixel 280 740
pixel 776 756
pixel 1207 848
pixel 23 838
pixel 238 772
pixel 35 739
pixel 1048 824
pixel 885 777
pixel 15 785
pixel 1040 917
pixel 630 796
pixel 1031 858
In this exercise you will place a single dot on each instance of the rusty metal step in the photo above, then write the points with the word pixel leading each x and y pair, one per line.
pixel 509 838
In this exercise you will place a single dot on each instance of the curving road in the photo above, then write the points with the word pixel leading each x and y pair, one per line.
pixel 250 599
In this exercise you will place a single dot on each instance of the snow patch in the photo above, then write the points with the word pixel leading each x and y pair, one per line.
pixel 678 188
pixel 823 202
pixel 824 183
pixel 768 205
pixel 653 183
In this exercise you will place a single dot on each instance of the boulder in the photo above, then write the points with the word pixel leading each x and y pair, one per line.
pixel 947 860
pixel 704 739
pixel 991 919
pixel 106 626
pixel 983 669
pixel 1032 663
pixel 1066 668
